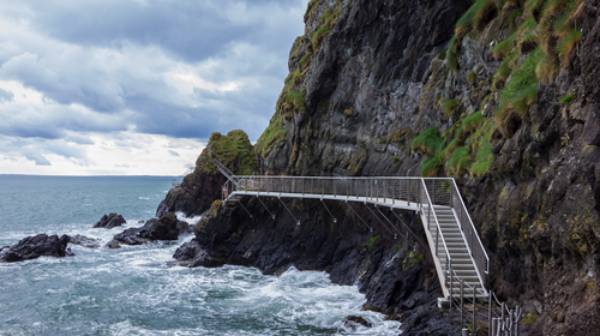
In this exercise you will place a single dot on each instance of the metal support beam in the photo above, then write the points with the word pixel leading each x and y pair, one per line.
pixel 374 214
pixel 364 223
pixel 246 210
pixel 266 208
pixel 328 211
pixel 392 226
pixel 289 211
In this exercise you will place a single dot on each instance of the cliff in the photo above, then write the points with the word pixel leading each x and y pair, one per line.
pixel 500 94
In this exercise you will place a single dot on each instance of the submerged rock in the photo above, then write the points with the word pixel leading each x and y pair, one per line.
pixel 36 246
pixel 84 241
pixel 167 227
pixel 354 321
pixel 110 221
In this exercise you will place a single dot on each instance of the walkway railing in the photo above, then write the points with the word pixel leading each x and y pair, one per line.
pixel 440 191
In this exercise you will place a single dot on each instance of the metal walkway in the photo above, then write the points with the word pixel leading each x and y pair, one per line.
pixel 459 256
pixel 460 259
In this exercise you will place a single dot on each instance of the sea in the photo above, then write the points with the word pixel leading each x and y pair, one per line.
pixel 138 290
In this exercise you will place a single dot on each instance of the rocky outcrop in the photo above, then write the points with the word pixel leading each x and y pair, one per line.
pixel 198 190
pixel 84 241
pixel 167 227
pixel 394 274
pixel 36 246
pixel 110 221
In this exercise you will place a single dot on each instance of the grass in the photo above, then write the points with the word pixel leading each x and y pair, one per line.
pixel 452 53
pixel 274 134
pixel 234 150
pixel 521 88
pixel 459 161
pixel 566 45
pixel 326 23
pixel 567 99
pixel 428 142
pixel 484 158
pixel 449 106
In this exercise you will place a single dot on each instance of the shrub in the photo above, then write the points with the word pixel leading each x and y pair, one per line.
pixel 521 88
pixel 484 158
pixel 428 142
pixel 458 161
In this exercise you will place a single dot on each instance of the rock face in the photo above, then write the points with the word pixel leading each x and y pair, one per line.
pixel 501 95
pixel 167 227
pixel 198 190
pixel 110 221
pixel 36 246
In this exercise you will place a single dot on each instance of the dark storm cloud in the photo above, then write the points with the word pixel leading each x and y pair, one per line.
pixel 178 68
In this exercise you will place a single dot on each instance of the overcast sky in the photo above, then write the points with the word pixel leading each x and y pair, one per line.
pixel 135 87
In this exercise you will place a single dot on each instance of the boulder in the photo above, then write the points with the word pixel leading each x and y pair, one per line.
pixel 36 246
pixel 84 241
pixel 110 221
pixel 193 255
pixel 167 227
pixel 353 321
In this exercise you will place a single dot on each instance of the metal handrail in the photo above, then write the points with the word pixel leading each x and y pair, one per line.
pixel 472 227
pixel 437 223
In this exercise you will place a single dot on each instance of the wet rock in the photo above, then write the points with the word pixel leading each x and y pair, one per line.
pixel 353 321
pixel 110 221
pixel 36 246
pixel 193 255
pixel 84 241
pixel 167 227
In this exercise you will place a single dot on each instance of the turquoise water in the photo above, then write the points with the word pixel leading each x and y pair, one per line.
pixel 138 290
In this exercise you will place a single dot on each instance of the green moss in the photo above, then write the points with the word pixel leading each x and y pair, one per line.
pixel 459 161
pixel 372 242
pixel 326 22
pixel 452 53
pixel 431 165
pixel 215 207
pixel 483 159
pixel 503 71
pixel 505 47
pixel 529 319
pixel 470 122
pixel 520 91
pixel 428 142
pixel 476 17
pixel 274 134
pixel 413 259
pixel 449 107
pixel 566 45
pixel 234 150
pixel 567 99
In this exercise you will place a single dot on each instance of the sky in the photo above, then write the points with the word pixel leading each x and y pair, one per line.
pixel 136 87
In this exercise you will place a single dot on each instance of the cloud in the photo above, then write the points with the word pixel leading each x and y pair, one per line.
pixel 6 95
pixel 173 69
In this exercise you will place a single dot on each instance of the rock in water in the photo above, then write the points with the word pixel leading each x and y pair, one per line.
pixel 36 246
pixel 110 221
pixel 354 321
pixel 84 241
pixel 167 227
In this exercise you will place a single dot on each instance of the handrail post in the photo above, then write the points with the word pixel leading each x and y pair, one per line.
pixel 490 331
pixel 474 309
pixel 462 323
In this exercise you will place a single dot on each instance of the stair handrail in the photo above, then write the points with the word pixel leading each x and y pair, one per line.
pixel 473 229
pixel 440 235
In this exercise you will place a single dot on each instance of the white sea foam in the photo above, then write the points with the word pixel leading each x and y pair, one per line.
pixel 190 220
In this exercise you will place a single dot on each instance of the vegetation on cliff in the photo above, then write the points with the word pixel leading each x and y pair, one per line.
pixel 234 150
